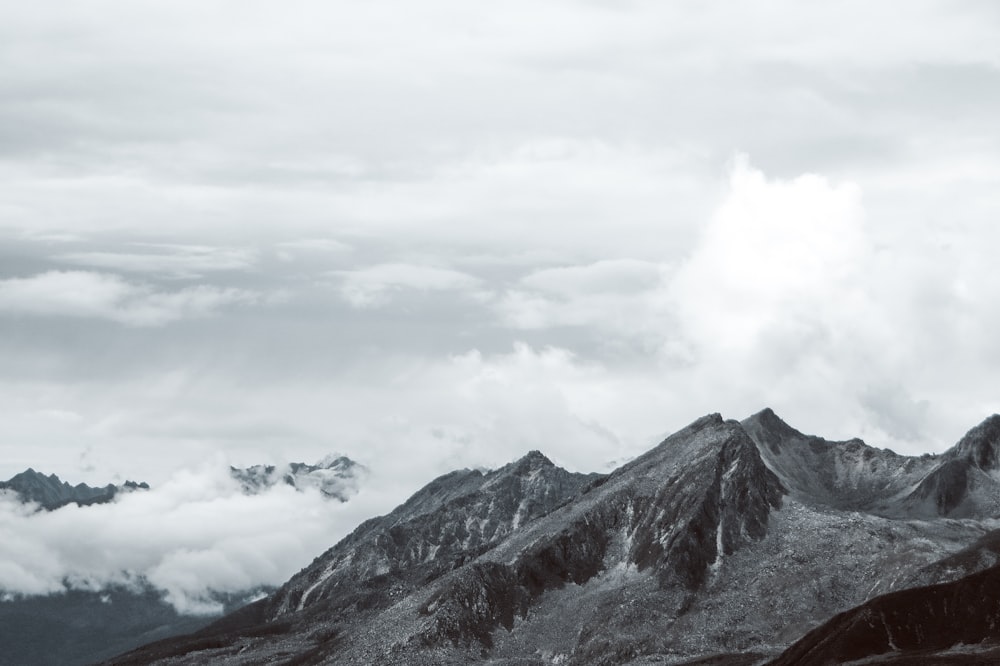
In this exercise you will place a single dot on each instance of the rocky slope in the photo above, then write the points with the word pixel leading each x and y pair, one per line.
pixel 730 539
pixel 50 492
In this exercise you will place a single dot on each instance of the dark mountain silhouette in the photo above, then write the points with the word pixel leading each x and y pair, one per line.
pixel 51 492
pixel 723 545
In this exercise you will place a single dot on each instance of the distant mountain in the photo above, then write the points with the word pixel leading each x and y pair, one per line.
pixel 725 544
pixel 337 477
pixel 50 492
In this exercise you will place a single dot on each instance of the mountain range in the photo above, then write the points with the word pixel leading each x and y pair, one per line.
pixel 731 542
pixel 50 492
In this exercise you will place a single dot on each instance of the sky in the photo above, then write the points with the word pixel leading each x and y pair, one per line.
pixel 437 235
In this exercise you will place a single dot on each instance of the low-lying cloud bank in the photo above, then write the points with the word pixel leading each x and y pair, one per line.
pixel 193 537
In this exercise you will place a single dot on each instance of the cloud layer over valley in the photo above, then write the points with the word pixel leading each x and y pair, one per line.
pixel 193 538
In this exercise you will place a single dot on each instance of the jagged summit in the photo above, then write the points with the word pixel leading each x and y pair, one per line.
pixel 771 422
pixel 670 446
pixel 535 458
pixel 771 430
pixel 531 462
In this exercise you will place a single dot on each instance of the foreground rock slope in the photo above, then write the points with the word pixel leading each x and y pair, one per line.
pixel 729 539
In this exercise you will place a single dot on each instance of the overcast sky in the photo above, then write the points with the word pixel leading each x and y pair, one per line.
pixel 439 234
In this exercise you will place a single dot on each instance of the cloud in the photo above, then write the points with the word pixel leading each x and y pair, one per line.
pixel 621 302
pixel 290 250
pixel 611 293
pixel 182 261
pixel 776 255
pixel 108 296
pixel 375 285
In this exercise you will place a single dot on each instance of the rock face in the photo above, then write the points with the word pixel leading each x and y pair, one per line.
pixel 337 477
pixel 729 538
pixel 50 492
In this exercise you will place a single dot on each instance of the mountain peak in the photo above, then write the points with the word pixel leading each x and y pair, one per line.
pixel 715 418
pixel 771 422
pixel 534 459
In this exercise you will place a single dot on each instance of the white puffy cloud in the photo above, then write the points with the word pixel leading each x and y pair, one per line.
pixel 776 255
pixel 108 296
